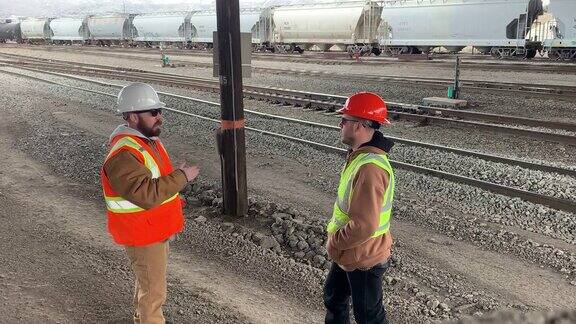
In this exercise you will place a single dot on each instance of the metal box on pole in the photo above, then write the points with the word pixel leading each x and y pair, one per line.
pixel 246 55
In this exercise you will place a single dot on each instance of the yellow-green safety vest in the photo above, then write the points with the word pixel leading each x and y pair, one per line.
pixel 345 191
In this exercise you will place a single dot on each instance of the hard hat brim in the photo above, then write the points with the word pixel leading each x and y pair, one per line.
pixel 344 110
pixel 159 105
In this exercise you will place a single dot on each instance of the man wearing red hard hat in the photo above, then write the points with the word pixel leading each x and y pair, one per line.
pixel 359 240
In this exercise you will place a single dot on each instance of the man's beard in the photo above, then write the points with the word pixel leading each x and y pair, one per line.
pixel 150 131
pixel 346 140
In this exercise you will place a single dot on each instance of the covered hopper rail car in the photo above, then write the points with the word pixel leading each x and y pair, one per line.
pixel 69 30
pixel 501 28
pixel 111 29
pixel 36 30
pixel 163 29
pixel 345 26
pixel 496 27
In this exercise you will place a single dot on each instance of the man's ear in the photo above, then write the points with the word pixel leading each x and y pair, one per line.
pixel 133 118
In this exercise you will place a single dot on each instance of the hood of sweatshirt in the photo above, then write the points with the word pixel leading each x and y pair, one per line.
pixel 126 130
pixel 379 141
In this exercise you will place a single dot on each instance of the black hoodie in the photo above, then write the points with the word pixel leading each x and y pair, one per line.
pixel 378 140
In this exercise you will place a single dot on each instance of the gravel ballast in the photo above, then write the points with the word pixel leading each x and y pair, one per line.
pixel 410 282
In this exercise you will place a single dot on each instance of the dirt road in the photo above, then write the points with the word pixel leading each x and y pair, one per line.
pixel 59 265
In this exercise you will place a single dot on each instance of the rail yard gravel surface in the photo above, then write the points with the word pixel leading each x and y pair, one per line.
pixel 435 68
pixel 499 103
pixel 469 138
pixel 423 284
pixel 550 184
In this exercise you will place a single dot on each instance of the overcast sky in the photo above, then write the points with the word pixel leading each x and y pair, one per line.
pixel 54 8
pixel 74 7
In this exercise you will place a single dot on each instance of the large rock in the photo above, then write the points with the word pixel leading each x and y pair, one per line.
pixel 319 260
pixel 322 251
pixel 279 238
pixel 293 243
pixel 302 245
pixel 217 202
pixel 310 255
pixel 281 216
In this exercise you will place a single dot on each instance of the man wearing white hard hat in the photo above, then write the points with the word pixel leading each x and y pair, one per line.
pixel 141 193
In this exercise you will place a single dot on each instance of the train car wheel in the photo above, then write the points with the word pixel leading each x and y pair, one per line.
pixel 414 50
pixel 496 53
pixel 554 55
pixel 530 54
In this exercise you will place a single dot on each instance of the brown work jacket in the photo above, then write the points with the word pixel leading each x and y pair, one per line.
pixel 133 180
pixel 352 246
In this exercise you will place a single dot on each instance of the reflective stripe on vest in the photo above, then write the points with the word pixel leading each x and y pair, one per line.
pixel 148 159
pixel 340 212
pixel 118 204
pixel 122 206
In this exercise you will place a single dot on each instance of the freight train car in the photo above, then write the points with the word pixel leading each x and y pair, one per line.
pixel 497 27
pixel 36 30
pixel 562 43
pixel 163 29
pixel 346 26
pixel 10 32
pixel 69 30
pixel 204 24
pixel 111 29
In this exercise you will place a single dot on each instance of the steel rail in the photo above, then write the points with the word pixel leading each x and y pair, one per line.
pixel 555 91
pixel 331 102
pixel 327 98
pixel 487 64
pixel 555 203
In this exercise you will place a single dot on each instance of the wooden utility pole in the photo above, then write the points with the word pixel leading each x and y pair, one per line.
pixel 230 136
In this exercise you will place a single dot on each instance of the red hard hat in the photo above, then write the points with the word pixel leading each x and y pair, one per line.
pixel 366 105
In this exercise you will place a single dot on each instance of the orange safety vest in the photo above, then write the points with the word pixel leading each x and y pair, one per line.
pixel 128 223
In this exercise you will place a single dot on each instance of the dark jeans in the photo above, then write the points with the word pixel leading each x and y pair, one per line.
pixel 365 288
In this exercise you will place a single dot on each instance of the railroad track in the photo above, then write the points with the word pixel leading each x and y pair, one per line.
pixel 469 62
pixel 567 92
pixel 328 102
pixel 553 202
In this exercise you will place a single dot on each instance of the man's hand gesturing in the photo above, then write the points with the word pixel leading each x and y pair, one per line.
pixel 191 171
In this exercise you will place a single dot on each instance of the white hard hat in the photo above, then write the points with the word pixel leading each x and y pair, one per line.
pixel 138 97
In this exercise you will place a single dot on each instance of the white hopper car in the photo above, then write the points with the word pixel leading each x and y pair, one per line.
pixel 163 29
pixel 502 28
pixel 35 30
pixel 69 30
pixel 204 23
pixel 111 29
pixel 346 26
pixel 497 27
